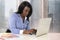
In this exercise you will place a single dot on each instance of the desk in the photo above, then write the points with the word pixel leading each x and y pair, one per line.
pixel 54 36
pixel 49 36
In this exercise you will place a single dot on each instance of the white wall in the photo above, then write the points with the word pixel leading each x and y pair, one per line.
pixel 6 8
pixel 10 6
pixel 2 15
pixel 39 11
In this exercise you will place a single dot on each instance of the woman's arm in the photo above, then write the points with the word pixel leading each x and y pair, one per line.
pixel 12 25
pixel 28 30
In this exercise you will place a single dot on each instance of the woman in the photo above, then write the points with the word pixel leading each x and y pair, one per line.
pixel 20 19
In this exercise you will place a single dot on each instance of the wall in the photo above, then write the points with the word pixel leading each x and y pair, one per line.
pixel 54 12
pixel 40 10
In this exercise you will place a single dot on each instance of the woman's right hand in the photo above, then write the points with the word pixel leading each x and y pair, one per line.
pixel 29 31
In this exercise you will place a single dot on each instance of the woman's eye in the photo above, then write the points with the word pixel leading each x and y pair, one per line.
pixel 26 10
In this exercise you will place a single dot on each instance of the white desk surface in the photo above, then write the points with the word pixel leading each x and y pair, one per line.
pixel 49 36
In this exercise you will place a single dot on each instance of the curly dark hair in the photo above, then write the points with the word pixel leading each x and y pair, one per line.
pixel 22 6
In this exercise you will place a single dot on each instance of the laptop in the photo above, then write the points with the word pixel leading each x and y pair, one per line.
pixel 43 26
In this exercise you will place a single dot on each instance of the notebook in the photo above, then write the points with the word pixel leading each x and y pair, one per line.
pixel 43 26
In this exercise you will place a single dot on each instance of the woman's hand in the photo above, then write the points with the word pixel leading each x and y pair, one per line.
pixel 26 32
pixel 29 31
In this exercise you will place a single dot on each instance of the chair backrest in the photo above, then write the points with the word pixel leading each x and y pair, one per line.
pixel 8 31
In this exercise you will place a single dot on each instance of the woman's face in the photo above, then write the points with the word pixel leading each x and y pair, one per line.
pixel 26 11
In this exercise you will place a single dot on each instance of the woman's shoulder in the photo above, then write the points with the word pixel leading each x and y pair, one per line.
pixel 13 15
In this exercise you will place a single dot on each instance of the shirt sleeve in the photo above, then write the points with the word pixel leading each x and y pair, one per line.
pixel 12 25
